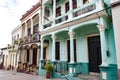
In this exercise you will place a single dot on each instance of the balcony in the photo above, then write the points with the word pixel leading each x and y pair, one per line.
pixel 77 13
pixel 29 39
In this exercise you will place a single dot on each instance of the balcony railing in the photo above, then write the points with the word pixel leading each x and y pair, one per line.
pixel 29 39
pixel 79 12
pixel 83 10
pixel 62 18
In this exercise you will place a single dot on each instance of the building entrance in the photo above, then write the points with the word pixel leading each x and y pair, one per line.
pixel 94 51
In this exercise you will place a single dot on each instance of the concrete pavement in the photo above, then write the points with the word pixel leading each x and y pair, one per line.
pixel 13 75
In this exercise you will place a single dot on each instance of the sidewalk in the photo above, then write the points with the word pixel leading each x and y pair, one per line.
pixel 12 75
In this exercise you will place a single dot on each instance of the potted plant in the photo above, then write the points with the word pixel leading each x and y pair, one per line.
pixel 49 69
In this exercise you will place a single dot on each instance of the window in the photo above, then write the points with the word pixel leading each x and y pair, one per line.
pixel 35 32
pixel 29 31
pixel 14 37
pixel 57 51
pixel 44 53
pixel 66 7
pixel 85 1
pixel 17 36
pixel 58 13
pixel 74 7
pixel 74 4
pixel 47 12
pixel 28 55
pixel 35 29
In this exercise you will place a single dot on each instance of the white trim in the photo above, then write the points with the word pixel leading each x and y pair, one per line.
pixel 113 2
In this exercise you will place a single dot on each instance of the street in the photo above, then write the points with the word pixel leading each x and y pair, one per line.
pixel 13 75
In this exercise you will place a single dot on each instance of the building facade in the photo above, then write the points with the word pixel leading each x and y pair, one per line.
pixel 115 6
pixel 80 38
pixel 6 58
pixel 13 48
pixel 10 53
pixel 1 59
pixel 29 46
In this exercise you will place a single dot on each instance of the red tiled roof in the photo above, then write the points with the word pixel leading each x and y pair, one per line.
pixel 34 7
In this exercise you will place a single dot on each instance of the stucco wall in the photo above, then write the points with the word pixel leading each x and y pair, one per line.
pixel 116 23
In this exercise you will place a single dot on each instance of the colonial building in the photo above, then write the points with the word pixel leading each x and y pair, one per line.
pixel 80 38
pixel 115 6
pixel 6 58
pixel 10 53
pixel 1 59
pixel 29 47
pixel 13 48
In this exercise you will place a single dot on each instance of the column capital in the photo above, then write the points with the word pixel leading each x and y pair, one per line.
pixel 53 37
pixel 71 33
pixel 54 0
pixel 101 27
pixel 41 39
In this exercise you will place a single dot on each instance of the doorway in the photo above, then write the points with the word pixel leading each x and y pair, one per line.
pixel 34 56
pixel 57 50
pixel 94 52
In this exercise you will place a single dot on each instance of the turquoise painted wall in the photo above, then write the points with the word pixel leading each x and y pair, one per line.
pixel 110 40
pixel 111 46
pixel 63 50
pixel 81 35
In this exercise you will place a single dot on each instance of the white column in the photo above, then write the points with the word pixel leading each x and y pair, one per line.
pixel 25 29
pixel 103 44
pixel 71 34
pixel 15 60
pixel 24 56
pixel 54 10
pixel 40 23
pixel 12 60
pixel 9 58
pixel 42 42
pixel 18 56
pixel 42 17
pixel 71 8
pixel 31 26
pixel 53 47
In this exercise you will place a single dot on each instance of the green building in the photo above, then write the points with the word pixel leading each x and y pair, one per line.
pixel 77 38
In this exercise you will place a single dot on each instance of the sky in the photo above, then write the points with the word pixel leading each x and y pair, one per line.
pixel 10 13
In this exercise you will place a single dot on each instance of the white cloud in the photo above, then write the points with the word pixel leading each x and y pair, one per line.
pixel 10 13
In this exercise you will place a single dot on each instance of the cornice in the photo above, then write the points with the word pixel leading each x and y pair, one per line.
pixel 31 10
pixel 114 2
